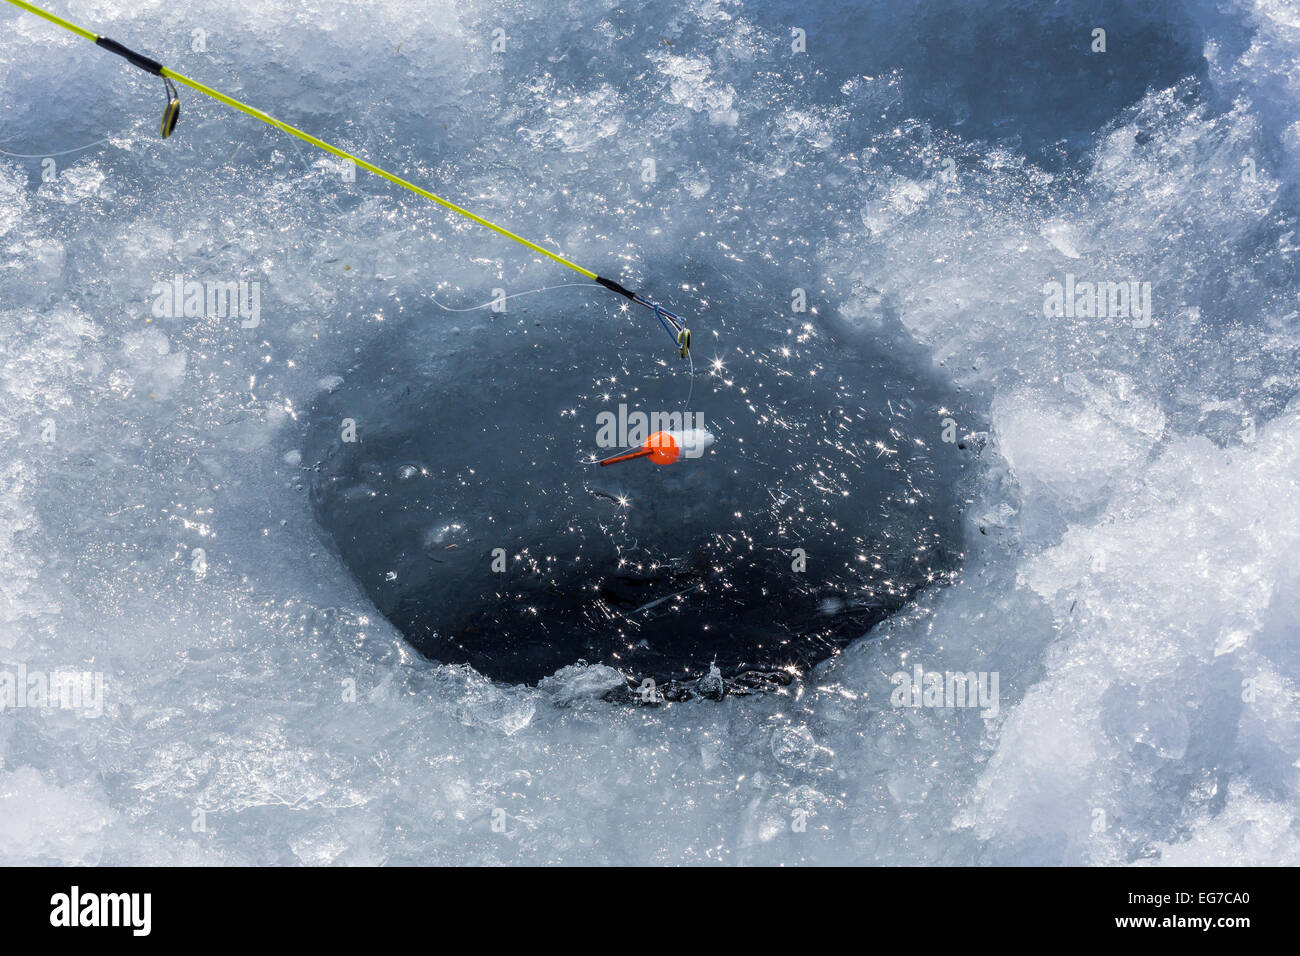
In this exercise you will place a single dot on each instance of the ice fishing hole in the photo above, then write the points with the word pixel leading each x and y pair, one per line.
pixel 470 510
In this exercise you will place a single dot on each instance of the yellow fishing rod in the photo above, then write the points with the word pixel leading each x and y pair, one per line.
pixel 171 113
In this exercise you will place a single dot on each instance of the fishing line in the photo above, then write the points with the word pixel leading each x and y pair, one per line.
pixel 690 359
pixel 75 149
pixel 474 308
pixel 671 322
pixel 545 288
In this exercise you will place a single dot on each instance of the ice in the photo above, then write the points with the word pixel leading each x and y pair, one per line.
pixel 79 183
pixel 44 823
pixel 1073 446
pixel 13 199
pixel 690 86
pixel 1249 831
pixel 1132 525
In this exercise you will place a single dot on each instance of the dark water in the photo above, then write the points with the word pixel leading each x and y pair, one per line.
pixel 827 500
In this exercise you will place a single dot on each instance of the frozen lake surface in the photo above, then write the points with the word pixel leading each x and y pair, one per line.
pixel 1112 555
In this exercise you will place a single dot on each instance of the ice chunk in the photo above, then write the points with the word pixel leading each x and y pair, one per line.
pixel 42 823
